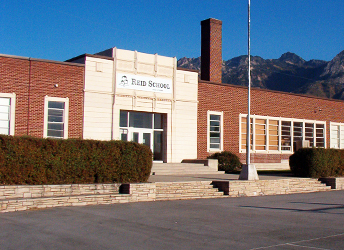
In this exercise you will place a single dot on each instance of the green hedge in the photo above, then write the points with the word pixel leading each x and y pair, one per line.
pixel 228 161
pixel 317 162
pixel 27 160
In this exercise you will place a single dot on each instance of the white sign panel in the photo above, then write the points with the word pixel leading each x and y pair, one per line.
pixel 152 84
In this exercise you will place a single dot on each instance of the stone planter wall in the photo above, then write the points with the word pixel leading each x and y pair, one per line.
pixel 334 182
pixel 24 197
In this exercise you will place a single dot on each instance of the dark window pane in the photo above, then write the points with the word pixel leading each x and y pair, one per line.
pixel 214 123
pixel 146 137
pixel 136 137
pixel 55 126
pixel 215 129
pixel 52 118
pixel 157 147
pixel 157 121
pixel 286 123
pixel 215 140
pixel 124 137
pixel 55 112
pixel 213 134
pixel 215 117
pixel 55 133
pixel 140 120
pixel 123 119
pixel 215 146
pixel 56 105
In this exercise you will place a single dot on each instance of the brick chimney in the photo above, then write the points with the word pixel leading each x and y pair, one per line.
pixel 211 50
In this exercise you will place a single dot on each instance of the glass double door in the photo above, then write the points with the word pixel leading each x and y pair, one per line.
pixel 142 136
pixel 150 138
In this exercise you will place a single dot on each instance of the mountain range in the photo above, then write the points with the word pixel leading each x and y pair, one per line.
pixel 289 73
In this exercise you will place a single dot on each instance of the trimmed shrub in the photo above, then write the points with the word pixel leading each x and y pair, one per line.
pixel 228 161
pixel 317 162
pixel 27 160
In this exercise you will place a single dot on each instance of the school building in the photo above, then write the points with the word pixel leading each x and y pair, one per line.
pixel 119 94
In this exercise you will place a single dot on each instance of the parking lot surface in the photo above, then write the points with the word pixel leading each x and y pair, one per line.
pixel 299 221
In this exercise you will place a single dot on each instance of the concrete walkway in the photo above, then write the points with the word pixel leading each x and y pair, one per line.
pixel 215 177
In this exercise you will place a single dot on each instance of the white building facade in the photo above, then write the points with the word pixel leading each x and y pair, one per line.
pixel 141 97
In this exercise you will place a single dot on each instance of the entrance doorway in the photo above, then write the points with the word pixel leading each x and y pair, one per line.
pixel 144 128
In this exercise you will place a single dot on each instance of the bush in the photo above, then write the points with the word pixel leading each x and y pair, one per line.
pixel 228 161
pixel 27 160
pixel 317 162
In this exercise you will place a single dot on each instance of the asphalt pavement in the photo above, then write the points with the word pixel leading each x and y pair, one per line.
pixel 298 221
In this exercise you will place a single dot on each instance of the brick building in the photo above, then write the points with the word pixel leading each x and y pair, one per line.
pixel 280 122
pixel 41 98
pixel 127 95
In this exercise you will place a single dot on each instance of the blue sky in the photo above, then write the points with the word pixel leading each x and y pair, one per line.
pixel 60 29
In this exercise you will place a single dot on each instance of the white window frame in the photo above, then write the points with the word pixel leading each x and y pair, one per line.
pixel 212 150
pixel 280 119
pixel 12 97
pixel 341 134
pixel 48 99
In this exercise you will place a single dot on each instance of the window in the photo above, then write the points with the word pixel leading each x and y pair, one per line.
pixel 158 121
pixel 56 117
pixel 244 132
pixel 273 135
pixel 260 134
pixel 140 120
pixel 298 131
pixel 309 133
pixel 215 131
pixel 284 134
pixel 337 135
pixel 320 135
pixel 124 134
pixel 123 119
pixel 5 106
pixel 7 109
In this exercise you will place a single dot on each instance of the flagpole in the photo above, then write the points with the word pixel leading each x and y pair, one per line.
pixel 248 171
pixel 248 127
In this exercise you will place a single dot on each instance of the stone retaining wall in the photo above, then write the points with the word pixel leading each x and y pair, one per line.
pixel 270 187
pixel 334 182
pixel 36 191
pixel 24 197
pixel 275 187
pixel 17 198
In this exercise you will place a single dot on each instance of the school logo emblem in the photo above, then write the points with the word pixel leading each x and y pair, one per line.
pixel 124 81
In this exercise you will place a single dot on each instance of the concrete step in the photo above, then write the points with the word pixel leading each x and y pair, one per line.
pixel 185 197
pixel 186 190
pixel 182 169
pixel 272 166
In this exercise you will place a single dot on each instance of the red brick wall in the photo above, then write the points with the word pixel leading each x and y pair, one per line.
pixel 14 78
pixel 232 100
pixel 31 80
